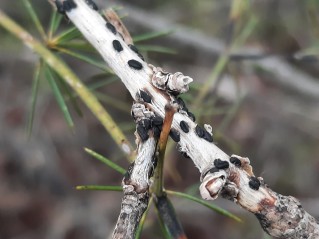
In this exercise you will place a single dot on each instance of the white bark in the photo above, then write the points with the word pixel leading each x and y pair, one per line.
pixel 136 182
pixel 280 216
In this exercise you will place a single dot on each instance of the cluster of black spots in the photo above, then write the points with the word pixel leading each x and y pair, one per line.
pixel 147 123
pixel 157 123
pixel 254 183
pixel 65 6
pixel 220 164
pixel 191 116
pixel 184 126
pixel 156 131
pixel 92 5
pixel 173 92
pixel 183 106
pixel 208 137
pixel 59 7
pixel 157 120
pixel 181 103
pixel 212 170
pixel 236 161
pixel 134 48
pixel 117 46
pixel 175 135
pixel 145 96
pixel 199 131
pixel 142 132
pixel 202 133
pixel 135 64
pixel 111 28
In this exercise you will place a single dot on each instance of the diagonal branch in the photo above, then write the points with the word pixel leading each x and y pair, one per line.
pixel 232 177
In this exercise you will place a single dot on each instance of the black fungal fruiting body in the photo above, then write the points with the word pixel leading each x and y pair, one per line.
pixel 92 4
pixel 181 103
pixel 133 48
pixel 212 170
pixel 59 7
pixel 183 106
pixel 65 6
pixel 68 5
pixel 207 136
pixel 175 135
pixel 156 131
pixel 135 64
pixel 236 161
pixel 157 120
pixel 157 123
pixel 146 97
pixel 184 126
pixel 147 123
pixel 111 28
pixel 142 132
pixel 254 183
pixel 220 164
pixel 199 131
pixel 202 133
pixel 191 116
pixel 117 46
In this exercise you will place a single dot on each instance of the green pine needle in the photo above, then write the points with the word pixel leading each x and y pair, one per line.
pixel 88 59
pixel 106 161
pixel 154 48
pixel 67 35
pixel 68 94
pixel 206 204
pixel 151 35
pixel 35 18
pixel 34 96
pixel 54 23
pixel 59 97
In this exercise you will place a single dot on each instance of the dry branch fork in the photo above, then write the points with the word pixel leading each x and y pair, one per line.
pixel 232 177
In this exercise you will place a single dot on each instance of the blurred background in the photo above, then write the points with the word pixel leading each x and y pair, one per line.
pixel 262 101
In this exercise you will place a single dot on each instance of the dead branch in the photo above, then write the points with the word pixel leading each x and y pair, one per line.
pixel 137 179
pixel 232 177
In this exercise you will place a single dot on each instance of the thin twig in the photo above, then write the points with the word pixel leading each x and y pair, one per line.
pixel 158 175
pixel 136 182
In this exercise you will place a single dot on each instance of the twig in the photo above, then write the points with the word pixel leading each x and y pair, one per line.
pixel 137 179
pixel 158 175
pixel 280 216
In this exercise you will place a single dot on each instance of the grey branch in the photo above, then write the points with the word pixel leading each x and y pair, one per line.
pixel 280 216
pixel 137 180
